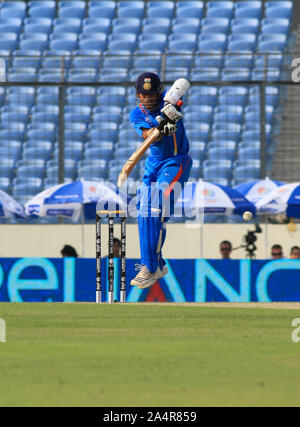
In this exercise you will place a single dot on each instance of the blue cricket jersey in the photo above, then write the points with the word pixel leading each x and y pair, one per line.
pixel 169 146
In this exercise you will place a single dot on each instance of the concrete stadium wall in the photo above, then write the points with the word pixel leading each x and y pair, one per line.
pixel 183 241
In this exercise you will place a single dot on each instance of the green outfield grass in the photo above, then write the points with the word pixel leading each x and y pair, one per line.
pixel 147 355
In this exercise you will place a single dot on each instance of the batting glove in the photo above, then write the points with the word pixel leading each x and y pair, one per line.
pixel 168 128
pixel 172 113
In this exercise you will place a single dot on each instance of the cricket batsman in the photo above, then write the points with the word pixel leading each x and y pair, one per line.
pixel 169 163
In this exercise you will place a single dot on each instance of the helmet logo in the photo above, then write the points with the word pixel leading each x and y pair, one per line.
pixel 147 84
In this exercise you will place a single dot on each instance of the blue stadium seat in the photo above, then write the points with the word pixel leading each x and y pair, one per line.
pixel 37 153
pixel 269 74
pixel 213 60
pixel 63 44
pixel 208 74
pixel 176 73
pixel 145 46
pixel 10 28
pixel 38 21
pixel 222 22
pixel 5 184
pixel 12 12
pixel 117 59
pixel 82 74
pixel 8 117
pixel 51 75
pixel 182 28
pixel 55 61
pixel 37 28
pixel 228 135
pixel 96 168
pixel 69 170
pixel 67 29
pixel 114 109
pixel 93 44
pixel 275 29
pixel 198 113
pixel 121 45
pixel 8 41
pixel 103 152
pixel 42 135
pixel 153 37
pixel 43 3
pixel 218 153
pixel 103 134
pixel 81 95
pixel 25 190
pixel 276 21
pixel 248 12
pixel 281 38
pixel 198 150
pixel 246 173
pixel 249 153
pixel 21 75
pixel 233 95
pixel 86 62
pixel 245 28
pixel 81 116
pixel 75 152
pixel 27 58
pixel 211 45
pixel 164 4
pixel 203 94
pixel 156 29
pixel 199 131
pixel 177 59
pixel 33 44
pixel 190 9
pixel 239 60
pixel 21 5
pixel 39 118
pixel 148 59
pixel 10 149
pixel 42 12
pixel 126 21
pixel 231 117
pixel 71 12
pixel 31 168
pixel 224 145
pixel 241 46
pixel 220 9
pixel 281 9
pixel 106 117
pixel 75 135
pixel 211 173
pixel 7 166
pixel 131 12
pixel 104 11
pixel 103 25
pixel 117 75
pixel 235 74
pixel 212 29
pixel 182 45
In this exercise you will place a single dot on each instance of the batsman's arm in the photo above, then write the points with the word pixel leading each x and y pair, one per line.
pixel 153 135
pixel 148 132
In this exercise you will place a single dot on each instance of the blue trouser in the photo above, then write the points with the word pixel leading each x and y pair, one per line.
pixel 162 182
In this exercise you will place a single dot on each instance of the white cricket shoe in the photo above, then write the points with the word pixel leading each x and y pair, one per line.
pixel 144 279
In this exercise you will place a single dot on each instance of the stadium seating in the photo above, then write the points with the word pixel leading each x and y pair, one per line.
pixel 112 42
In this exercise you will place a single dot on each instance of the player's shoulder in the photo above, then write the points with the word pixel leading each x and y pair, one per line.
pixel 135 113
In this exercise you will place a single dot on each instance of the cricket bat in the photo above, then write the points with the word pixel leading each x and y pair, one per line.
pixel 138 154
